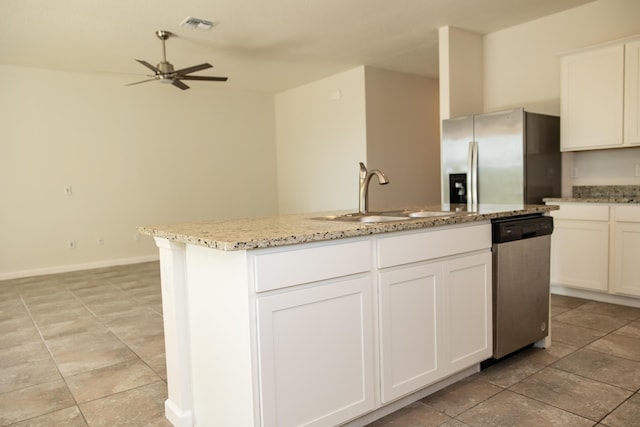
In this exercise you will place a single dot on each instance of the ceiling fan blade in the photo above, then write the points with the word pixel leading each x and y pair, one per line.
pixel 143 81
pixel 149 66
pixel 193 69
pixel 208 78
pixel 179 84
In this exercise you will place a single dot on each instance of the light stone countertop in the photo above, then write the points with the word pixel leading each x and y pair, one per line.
pixel 600 194
pixel 266 232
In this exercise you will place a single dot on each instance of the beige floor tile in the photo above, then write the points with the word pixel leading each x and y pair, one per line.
pixel 69 417
pixel 620 311
pixel 513 369
pixel 34 401
pixel 565 301
pixel 618 345
pixel 573 335
pixel 28 352
pixel 147 346
pixel 414 415
pixel 509 409
pixel 591 320
pixel 27 374
pixel 57 314
pixel 626 415
pixel 573 393
pixel 18 332
pixel 113 379
pixel 81 325
pixel 130 408
pixel 158 363
pixel 630 330
pixel 79 353
pixel 603 367
pixel 461 396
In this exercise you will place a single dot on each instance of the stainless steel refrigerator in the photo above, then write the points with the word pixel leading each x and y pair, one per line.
pixel 508 157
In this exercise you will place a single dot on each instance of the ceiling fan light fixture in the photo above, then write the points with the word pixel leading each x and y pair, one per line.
pixel 197 23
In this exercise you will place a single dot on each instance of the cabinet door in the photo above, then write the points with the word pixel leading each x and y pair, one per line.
pixel 592 99
pixel 409 329
pixel 580 254
pixel 467 310
pixel 316 354
pixel 627 265
pixel 632 93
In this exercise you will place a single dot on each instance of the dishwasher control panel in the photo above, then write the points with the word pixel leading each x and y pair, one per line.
pixel 518 228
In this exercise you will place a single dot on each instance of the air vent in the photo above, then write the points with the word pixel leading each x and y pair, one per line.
pixel 197 23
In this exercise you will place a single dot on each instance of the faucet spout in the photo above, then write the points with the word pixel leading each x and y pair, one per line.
pixel 365 179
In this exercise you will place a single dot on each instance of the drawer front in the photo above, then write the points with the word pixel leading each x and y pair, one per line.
pixel 280 269
pixel 628 213
pixel 590 212
pixel 415 247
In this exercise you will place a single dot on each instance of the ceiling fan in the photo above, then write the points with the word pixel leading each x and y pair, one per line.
pixel 165 73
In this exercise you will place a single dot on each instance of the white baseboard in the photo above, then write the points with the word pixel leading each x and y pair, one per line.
pixel 78 267
pixel 595 296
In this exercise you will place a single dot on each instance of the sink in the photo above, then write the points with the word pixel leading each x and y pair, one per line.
pixel 366 218
pixel 429 214
pixel 387 216
pixel 382 218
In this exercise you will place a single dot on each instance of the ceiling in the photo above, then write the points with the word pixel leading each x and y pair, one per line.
pixel 266 45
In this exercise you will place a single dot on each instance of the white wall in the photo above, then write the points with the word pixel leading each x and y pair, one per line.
pixel 403 138
pixel 522 69
pixel 387 120
pixel 321 138
pixel 135 155
pixel 461 72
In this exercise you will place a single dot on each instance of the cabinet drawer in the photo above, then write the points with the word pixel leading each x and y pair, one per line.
pixel 274 270
pixel 628 213
pixel 415 247
pixel 582 212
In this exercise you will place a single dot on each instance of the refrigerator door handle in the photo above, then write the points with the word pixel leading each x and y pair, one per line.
pixel 472 170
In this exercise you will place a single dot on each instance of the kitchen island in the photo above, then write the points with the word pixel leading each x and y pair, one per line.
pixel 295 320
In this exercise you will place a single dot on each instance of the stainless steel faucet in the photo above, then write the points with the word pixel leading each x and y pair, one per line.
pixel 365 179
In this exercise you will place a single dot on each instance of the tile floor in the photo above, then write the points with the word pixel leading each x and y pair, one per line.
pixel 87 349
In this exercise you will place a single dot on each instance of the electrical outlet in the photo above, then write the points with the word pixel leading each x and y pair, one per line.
pixel 574 172
pixel 71 244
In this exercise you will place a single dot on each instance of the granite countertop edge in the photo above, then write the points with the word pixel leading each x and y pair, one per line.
pixel 284 230
pixel 609 200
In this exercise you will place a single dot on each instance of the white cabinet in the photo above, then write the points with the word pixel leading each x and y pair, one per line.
pixel 595 247
pixel 435 315
pixel 316 354
pixel 600 97
pixel 592 97
pixel 632 93
pixel 580 253
pixel 314 332
pixel 467 311
pixel 320 334
pixel 410 329
pixel 626 263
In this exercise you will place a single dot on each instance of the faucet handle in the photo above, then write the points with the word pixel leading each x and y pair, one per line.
pixel 363 171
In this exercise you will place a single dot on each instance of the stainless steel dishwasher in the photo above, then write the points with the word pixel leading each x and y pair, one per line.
pixel 521 256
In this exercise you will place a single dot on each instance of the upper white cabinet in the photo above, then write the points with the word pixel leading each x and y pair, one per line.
pixel 600 97
pixel 632 93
